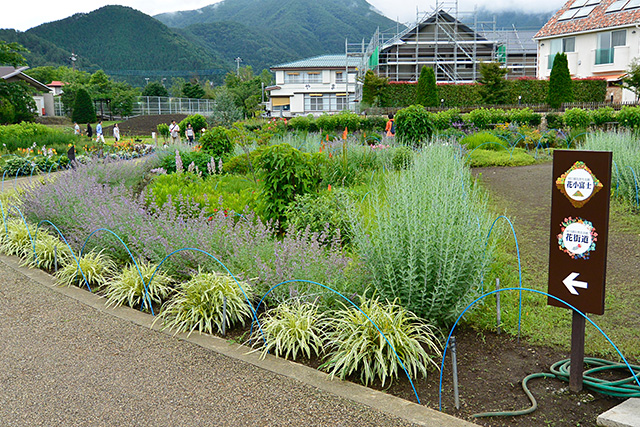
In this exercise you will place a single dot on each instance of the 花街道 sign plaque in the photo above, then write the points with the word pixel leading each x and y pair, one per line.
pixel 579 228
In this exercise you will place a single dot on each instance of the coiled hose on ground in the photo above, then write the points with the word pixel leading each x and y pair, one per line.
pixel 624 388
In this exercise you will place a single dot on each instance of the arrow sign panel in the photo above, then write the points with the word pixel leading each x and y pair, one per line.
pixel 578 232
pixel 572 284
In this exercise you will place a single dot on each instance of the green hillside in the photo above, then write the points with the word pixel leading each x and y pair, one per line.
pixel 122 38
pixel 305 27
pixel 43 52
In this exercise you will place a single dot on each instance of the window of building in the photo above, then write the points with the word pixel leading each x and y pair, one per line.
pixel 313 77
pixel 339 77
pixel 564 45
pixel 314 102
pixel 606 45
pixel 292 78
pixel 341 102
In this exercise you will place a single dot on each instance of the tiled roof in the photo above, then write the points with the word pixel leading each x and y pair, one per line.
pixel 597 19
pixel 324 61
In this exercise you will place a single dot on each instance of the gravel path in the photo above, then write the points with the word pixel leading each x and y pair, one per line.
pixel 63 363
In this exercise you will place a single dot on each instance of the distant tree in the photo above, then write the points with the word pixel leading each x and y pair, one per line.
pixel 372 89
pixel 10 54
pixel 192 90
pixel 83 111
pixel 560 83
pixel 494 88
pixel 226 112
pixel 16 102
pixel 246 89
pixel 123 97
pixel 155 89
pixel 100 85
pixel 427 94
pixel 632 81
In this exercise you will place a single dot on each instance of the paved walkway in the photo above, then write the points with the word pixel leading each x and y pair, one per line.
pixel 66 360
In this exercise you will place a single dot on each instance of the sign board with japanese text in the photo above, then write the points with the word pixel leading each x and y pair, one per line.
pixel 579 229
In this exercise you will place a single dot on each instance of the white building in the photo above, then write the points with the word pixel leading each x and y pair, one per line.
pixel 43 98
pixel 599 37
pixel 323 84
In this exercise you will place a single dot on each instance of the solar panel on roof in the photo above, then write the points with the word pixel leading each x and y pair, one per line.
pixel 633 4
pixel 578 3
pixel 585 11
pixel 592 2
pixel 567 15
pixel 616 6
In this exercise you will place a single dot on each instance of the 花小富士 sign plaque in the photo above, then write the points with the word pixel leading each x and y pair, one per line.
pixel 579 228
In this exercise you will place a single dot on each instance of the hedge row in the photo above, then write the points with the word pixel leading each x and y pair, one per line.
pixel 467 95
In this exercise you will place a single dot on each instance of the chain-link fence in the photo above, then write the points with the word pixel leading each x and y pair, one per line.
pixel 152 105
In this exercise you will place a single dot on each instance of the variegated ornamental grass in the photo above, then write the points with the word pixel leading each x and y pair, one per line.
pixel 198 304
pixel 94 267
pixel 49 251
pixel 290 329
pixel 359 347
pixel 127 288
pixel 17 238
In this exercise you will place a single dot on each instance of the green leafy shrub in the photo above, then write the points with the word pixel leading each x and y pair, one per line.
pixel 292 328
pixel 200 159
pixel 442 120
pixel 242 163
pixel 603 115
pixel 348 120
pixel 484 118
pixel 300 123
pixel 629 117
pixel 414 125
pixel 25 134
pixel 163 130
pixel 554 121
pixel 287 173
pixel 197 121
pixel 427 91
pixel 487 140
pixel 373 123
pixel 577 118
pixel 359 347
pixel 83 111
pixel 487 158
pixel 216 142
pixel 198 304
pixel 127 287
pixel 560 83
pixel 96 269
pixel 524 116
pixel 325 213
pixel 326 122
pixel 423 238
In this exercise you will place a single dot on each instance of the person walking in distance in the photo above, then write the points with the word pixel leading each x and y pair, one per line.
pixel 89 131
pixel 116 132
pixel 76 128
pixel 390 128
pixel 174 131
pixel 99 136
pixel 189 133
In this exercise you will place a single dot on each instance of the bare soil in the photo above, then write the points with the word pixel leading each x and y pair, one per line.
pixel 144 125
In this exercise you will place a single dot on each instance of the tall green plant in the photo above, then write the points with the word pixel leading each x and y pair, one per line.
pixel 560 83
pixel 83 111
pixel 414 125
pixel 494 88
pixel 427 94
pixel 425 241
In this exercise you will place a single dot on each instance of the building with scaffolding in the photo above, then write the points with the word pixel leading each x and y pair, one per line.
pixel 452 48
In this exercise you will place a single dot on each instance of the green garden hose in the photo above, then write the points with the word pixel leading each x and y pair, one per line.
pixel 624 388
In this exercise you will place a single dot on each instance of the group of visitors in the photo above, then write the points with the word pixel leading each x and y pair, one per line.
pixel 174 132
pixel 99 133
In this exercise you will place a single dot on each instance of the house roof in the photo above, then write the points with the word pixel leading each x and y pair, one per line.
pixel 321 62
pixel 12 74
pixel 56 83
pixel 591 15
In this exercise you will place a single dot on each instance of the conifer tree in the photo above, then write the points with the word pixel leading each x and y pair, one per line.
pixel 427 94
pixel 560 84
pixel 83 111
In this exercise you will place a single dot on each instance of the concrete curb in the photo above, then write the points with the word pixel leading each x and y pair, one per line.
pixel 379 401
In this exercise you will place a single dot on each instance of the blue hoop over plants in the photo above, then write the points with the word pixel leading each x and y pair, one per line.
pixel 86 282
pixel 219 262
pixel 444 353
pixel 354 305
pixel 144 285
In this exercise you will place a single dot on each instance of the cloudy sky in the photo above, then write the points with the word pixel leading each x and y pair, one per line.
pixel 24 14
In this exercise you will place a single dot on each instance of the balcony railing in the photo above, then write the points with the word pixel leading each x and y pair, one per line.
pixel 604 56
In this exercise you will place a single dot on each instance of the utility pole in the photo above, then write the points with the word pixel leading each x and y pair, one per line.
pixel 238 61
pixel 73 60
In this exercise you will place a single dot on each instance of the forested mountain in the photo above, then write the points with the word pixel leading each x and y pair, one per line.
pixel 43 52
pixel 122 38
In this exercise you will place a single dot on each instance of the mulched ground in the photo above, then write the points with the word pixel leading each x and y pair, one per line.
pixel 144 125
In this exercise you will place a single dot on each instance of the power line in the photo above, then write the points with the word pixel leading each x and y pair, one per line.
pixel 170 73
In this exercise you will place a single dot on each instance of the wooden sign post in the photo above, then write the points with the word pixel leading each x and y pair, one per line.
pixel 578 241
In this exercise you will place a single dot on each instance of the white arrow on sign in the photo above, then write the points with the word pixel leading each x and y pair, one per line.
pixel 571 283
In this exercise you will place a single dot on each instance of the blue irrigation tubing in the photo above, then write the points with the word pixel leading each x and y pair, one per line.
pixel 144 285
pixel 15 181
pixel 506 140
pixel 253 311
pixel 493 143
pixel 444 353
pixel 354 305
pixel 515 237
pixel 617 178
pixel 635 181
pixel 365 195
pixel 33 243
pixel 86 282
pixel 575 137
